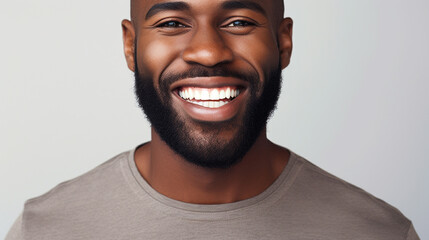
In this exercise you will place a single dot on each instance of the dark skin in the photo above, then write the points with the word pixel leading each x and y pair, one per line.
pixel 208 34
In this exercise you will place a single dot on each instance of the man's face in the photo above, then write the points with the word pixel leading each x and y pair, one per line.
pixel 207 74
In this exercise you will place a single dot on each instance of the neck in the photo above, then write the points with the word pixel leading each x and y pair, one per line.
pixel 171 175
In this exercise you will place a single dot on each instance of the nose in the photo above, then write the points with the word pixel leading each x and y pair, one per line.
pixel 207 48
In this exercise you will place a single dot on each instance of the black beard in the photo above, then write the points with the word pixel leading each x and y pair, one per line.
pixel 212 151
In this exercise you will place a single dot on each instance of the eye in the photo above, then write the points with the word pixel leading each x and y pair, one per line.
pixel 240 27
pixel 171 24
pixel 240 23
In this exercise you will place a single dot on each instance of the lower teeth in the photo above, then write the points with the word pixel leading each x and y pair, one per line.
pixel 210 104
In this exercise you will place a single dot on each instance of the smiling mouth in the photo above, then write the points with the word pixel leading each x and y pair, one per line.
pixel 209 97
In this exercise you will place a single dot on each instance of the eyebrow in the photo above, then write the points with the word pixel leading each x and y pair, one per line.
pixel 228 5
pixel 243 4
pixel 167 6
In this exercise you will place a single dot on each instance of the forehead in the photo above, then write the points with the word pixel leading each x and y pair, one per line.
pixel 141 9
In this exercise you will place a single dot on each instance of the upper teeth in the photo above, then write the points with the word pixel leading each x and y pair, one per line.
pixel 190 93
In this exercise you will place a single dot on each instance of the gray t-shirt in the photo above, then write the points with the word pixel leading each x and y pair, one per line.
pixel 113 201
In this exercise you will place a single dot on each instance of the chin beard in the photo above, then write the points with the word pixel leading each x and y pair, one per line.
pixel 205 145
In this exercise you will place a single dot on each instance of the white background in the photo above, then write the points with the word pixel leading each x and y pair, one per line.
pixel 354 98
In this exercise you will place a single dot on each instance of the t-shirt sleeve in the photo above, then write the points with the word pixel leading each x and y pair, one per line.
pixel 15 232
pixel 412 234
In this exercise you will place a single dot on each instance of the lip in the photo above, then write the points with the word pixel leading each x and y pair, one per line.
pixel 200 113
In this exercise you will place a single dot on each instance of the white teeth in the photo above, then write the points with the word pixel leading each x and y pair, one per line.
pixel 228 93
pixel 209 104
pixel 214 95
pixel 205 95
pixel 191 93
pixel 222 94
pixel 202 96
pixel 197 95
pixel 198 103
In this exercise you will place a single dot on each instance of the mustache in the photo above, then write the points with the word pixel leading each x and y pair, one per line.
pixel 200 71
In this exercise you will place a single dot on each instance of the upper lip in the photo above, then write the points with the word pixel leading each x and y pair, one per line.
pixel 209 82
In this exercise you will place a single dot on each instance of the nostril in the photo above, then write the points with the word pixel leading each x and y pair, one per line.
pixel 207 48
pixel 207 55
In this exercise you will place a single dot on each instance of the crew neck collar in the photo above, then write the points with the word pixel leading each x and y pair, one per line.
pixel 212 211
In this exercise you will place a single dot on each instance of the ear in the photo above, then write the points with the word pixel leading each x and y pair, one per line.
pixel 128 37
pixel 285 41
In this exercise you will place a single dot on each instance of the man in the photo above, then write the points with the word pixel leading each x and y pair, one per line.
pixel 208 76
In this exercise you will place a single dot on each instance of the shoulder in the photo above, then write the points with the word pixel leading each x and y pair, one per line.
pixel 75 200
pixel 337 201
pixel 86 183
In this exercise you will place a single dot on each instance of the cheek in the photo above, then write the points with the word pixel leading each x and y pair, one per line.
pixel 154 55
pixel 259 50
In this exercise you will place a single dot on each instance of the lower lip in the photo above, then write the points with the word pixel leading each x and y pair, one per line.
pixel 200 113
